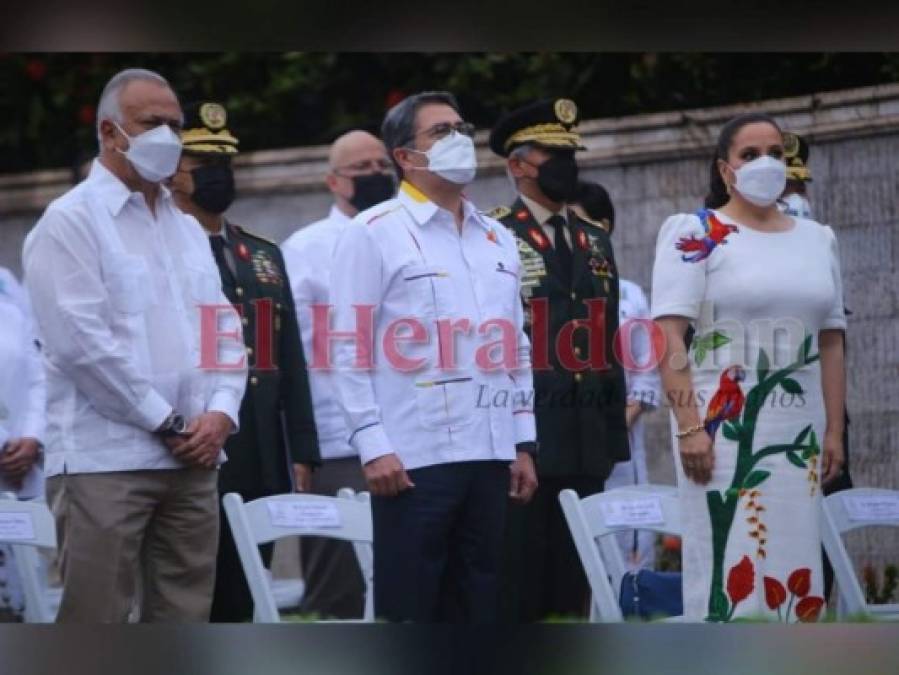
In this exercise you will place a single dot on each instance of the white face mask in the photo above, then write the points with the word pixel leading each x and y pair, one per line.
pixel 154 154
pixel 762 180
pixel 453 158
pixel 795 204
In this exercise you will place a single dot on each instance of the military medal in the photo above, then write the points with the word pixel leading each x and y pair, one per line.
pixel 265 269
pixel 522 215
pixel 243 251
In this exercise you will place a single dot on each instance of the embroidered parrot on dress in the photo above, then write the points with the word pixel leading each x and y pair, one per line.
pixel 727 403
pixel 716 233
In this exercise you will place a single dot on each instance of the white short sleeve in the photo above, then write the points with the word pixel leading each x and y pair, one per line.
pixel 678 277
pixel 837 317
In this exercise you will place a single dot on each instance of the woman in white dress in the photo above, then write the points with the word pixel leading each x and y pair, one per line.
pixel 758 400
pixel 22 402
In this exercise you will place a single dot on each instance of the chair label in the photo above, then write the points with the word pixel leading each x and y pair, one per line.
pixel 311 514
pixel 872 507
pixel 633 512
pixel 16 526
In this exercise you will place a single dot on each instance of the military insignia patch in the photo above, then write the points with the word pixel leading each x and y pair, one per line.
pixel 522 215
pixel 582 240
pixel 499 212
pixel 266 270
pixel 539 238
pixel 566 110
pixel 791 144
pixel 213 116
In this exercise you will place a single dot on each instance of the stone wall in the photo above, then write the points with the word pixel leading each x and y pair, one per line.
pixel 655 165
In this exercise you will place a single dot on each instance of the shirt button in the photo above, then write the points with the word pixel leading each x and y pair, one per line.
pixel 254 380
pixel 245 321
pixel 573 295
pixel 239 292
pixel 578 377
pixel 249 351
pixel 577 351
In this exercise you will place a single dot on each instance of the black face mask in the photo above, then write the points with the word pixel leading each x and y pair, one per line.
pixel 213 187
pixel 557 178
pixel 371 189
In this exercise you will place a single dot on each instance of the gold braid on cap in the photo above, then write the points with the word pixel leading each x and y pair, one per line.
pixel 204 140
pixel 545 134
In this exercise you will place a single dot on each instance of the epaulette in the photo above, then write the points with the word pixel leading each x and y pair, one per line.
pixel 253 235
pixel 601 224
pixel 499 212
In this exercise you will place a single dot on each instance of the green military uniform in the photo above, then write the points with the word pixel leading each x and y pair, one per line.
pixel 581 427
pixel 277 427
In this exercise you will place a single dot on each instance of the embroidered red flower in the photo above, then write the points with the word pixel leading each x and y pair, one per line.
pixel 800 582
pixel 808 609
pixel 775 593
pixel 741 580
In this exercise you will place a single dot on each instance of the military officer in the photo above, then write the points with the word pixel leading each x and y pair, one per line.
pixel 277 446
pixel 794 200
pixel 569 275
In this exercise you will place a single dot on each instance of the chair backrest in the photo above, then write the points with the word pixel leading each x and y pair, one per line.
pixel 290 515
pixel 595 518
pixel 849 510
pixel 27 526
pixel 365 555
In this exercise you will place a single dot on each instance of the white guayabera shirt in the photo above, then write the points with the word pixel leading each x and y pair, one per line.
pixel 23 391
pixel 407 259
pixel 307 254
pixel 117 295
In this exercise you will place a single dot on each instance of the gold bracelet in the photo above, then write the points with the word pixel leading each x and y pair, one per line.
pixel 691 430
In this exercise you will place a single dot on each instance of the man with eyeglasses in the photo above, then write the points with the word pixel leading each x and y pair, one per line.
pixel 570 280
pixel 438 395
pixel 359 176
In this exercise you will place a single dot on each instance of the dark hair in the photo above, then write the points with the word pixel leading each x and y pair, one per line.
pixel 596 202
pixel 398 128
pixel 717 196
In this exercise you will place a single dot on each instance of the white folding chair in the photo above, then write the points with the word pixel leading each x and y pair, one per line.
pixel 291 515
pixel 28 526
pixel 850 510
pixel 365 554
pixel 594 520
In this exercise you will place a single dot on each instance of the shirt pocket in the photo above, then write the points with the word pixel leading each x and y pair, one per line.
pixel 204 284
pixel 129 285
pixel 446 403
pixel 428 290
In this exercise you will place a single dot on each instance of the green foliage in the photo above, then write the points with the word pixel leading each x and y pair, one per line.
pixel 288 99
pixel 702 345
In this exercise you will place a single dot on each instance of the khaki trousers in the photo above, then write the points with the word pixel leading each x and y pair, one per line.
pixel 113 528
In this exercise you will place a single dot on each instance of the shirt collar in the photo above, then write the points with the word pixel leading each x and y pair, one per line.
pixel 335 215
pixel 113 191
pixel 540 212
pixel 423 209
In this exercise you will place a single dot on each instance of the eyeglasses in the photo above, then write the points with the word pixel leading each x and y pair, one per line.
pixel 444 129
pixel 365 166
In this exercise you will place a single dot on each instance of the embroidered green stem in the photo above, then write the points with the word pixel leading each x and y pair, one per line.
pixel 722 507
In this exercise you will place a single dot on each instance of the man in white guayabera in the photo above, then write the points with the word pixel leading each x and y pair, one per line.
pixel 437 282
pixel 139 400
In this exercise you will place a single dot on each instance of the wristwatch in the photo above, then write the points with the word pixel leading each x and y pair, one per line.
pixel 173 425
